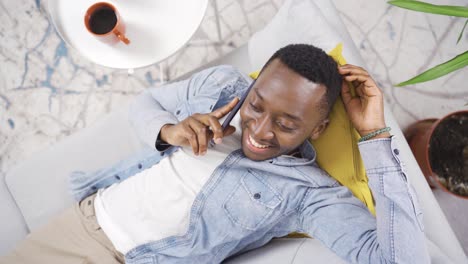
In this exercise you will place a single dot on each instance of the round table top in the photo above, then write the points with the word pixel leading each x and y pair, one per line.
pixel 156 29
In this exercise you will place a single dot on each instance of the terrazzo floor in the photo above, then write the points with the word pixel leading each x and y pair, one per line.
pixel 48 91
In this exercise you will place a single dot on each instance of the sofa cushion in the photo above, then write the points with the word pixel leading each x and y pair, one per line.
pixel 289 250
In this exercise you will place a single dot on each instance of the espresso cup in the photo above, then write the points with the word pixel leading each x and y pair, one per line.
pixel 104 22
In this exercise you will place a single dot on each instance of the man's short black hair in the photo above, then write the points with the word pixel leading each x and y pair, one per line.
pixel 315 65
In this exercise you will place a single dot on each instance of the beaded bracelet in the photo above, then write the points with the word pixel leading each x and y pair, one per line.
pixel 373 134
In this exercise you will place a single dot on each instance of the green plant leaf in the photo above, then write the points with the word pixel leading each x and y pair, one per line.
pixel 461 33
pixel 454 64
pixel 458 11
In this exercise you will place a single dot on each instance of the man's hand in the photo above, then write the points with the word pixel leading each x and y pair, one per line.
pixel 366 108
pixel 197 130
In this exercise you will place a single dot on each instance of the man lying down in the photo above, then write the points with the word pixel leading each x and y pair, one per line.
pixel 207 193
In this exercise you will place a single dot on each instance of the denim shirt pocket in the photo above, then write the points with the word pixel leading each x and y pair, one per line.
pixel 251 202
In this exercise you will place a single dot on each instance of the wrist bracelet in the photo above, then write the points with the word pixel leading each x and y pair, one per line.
pixel 373 134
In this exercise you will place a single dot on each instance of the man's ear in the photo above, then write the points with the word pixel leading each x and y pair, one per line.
pixel 318 130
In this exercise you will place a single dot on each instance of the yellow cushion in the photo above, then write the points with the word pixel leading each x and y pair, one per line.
pixel 337 150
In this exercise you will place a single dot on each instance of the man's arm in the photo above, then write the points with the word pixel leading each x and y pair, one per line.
pixel 169 104
pixel 343 223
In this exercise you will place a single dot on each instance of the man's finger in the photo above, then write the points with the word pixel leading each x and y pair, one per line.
pixel 346 92
pixel 202 141
pixel 362 80
pixel 222 111
pixel 201 130
pixel 191 137
pixel 229 130
pixel 216 127
pixel 357 77
pixel 215 130
pixel 353 70
pixel 368 87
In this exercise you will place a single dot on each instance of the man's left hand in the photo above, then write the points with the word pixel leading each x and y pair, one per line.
pixel 366 108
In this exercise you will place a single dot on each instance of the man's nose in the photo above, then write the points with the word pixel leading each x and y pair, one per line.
pixel 263 128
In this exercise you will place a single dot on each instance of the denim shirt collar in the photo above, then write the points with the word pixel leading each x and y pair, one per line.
pixel 307 152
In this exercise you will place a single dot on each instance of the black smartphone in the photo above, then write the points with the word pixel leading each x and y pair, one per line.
pixel 234 111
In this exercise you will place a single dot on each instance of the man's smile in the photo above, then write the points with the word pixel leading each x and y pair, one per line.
pixel 255 146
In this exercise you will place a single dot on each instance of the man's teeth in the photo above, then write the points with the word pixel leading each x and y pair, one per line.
pixel 256 144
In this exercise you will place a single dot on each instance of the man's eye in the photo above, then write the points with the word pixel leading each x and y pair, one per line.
pixel 255 108
pixel 285 128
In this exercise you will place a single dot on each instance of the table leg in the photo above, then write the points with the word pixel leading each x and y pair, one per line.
pixel 218 25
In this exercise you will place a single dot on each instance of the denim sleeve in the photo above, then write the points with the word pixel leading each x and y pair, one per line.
pixel 173 102
pixel 340 221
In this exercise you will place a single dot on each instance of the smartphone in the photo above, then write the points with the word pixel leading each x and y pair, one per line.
pixel 234 111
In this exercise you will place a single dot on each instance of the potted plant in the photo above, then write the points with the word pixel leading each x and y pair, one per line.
pixel 441 149
pixel 441 145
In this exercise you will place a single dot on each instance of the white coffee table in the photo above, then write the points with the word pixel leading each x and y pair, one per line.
pixel 156 29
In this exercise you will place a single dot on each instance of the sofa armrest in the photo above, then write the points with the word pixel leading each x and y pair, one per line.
pixel 39 185
pixel 13 227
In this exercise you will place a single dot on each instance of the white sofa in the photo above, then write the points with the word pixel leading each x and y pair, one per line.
pixel 36 190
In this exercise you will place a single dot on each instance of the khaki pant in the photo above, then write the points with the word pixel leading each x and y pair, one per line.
pixel 73 237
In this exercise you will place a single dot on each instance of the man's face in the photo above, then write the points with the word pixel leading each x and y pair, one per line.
pixel 280 112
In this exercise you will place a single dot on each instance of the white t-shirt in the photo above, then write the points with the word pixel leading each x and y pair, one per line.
pixel 156 202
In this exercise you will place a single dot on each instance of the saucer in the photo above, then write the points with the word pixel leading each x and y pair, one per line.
pixel 156 29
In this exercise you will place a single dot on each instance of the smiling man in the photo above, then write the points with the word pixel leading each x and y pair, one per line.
pixel 193 201
pixel 275 120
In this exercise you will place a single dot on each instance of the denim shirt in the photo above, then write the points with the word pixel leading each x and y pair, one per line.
pixel 246 203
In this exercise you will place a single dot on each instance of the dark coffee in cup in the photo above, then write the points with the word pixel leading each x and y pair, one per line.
pixel 102 20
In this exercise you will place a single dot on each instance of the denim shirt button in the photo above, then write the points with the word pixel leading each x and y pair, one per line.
pixel 117 177
pixel 178 112
pixel 396 151
pixel 257 196
pixel 94 188
pixel 140 166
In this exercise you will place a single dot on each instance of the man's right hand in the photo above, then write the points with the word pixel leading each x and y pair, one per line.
pixel 197 130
